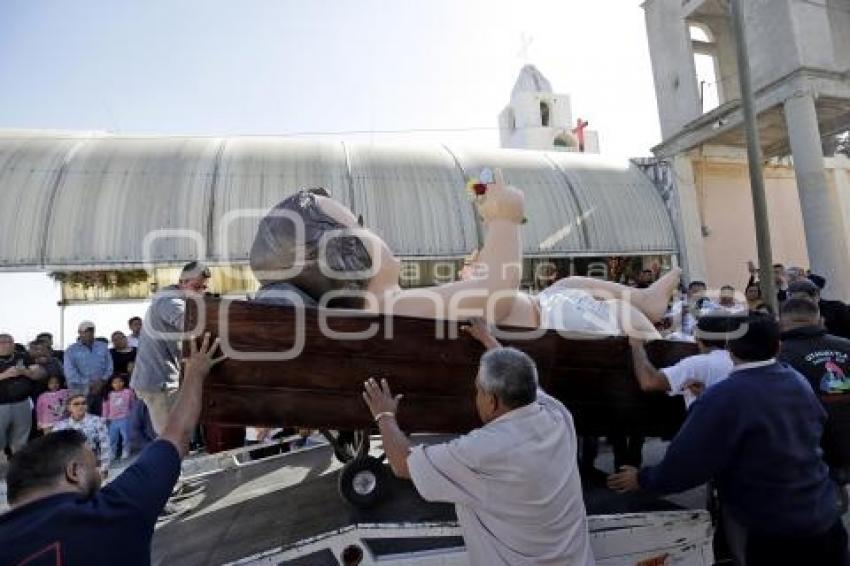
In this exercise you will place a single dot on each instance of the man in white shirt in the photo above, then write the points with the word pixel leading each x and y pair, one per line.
pixel 515 481
pixel 683 314
pixel 692 375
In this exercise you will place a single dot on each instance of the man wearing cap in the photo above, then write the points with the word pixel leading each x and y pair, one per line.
pixel 157 370
pixel 88 365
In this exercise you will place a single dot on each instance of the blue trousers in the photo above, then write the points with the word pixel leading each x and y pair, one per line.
pixel 119 429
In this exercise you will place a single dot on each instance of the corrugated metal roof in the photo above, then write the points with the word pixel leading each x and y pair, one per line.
pixel 90 200
pixel 414 197
pixel 620 207
pixel 551 207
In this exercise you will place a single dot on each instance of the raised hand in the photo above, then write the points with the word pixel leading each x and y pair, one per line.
pixel 501 202
pixel 202 359
pixel 479 329
pixel 379 397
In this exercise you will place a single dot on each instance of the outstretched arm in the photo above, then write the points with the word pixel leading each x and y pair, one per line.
pixel 184 415
pixel 480 330
pixel 499 265
pixel 649 377
pixel 384 407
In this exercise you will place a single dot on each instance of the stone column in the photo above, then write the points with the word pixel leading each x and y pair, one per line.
pixel 687 222
pixel 841 178
pixel 822 221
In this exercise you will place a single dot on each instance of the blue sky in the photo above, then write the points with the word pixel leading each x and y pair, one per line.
pixel 303 67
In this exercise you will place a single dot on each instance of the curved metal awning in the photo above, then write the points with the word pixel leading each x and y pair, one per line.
pixel 95 201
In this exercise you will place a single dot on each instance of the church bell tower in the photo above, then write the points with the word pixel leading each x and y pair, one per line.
pixel 537 118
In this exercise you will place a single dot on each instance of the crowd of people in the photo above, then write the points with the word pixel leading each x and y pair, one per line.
pixel 85 387
pixel 763 426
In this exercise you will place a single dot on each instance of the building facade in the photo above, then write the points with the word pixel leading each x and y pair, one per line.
pixel 800 61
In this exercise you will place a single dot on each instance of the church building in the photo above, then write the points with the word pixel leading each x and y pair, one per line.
pixel 537 118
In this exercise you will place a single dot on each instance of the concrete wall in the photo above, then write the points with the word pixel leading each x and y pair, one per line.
pixel 782 36
pixel 838 179
pixel 676 88
pixel 727 63
pixel 533 138
pixel 812 33
pixel 507 126
pixel 839 21
pixel 725 208
pixel 591 141
pixel 727 212
pixel 771 40
pixel 528 133
pixel 526 108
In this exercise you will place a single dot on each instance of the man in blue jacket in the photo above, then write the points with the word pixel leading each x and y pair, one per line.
pixel 757 435
pixel 88 366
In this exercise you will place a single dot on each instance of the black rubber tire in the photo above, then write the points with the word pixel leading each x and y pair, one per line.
pixel 347 444
pixel 362 482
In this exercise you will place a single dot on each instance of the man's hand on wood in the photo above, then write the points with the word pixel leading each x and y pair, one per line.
pixel 201 360
pixel 379 397
pixel 479 329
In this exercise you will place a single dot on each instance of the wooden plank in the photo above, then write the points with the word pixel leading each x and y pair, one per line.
pixel 321 386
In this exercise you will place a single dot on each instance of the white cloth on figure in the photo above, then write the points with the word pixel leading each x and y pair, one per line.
pixel 515 485
pixel 576 310
pixel 709 368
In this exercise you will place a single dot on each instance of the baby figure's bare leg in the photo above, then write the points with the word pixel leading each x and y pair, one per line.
pixel 633 322
pixel 651 302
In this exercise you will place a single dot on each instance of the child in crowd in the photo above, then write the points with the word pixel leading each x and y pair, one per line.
pixel 50 407
pixel 92 426
pixel 117 409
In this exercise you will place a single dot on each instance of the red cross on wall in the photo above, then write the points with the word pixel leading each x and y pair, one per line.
pixel 579 132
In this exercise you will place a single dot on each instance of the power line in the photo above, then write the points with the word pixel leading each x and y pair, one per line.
pixel 400 131
pixel 22 132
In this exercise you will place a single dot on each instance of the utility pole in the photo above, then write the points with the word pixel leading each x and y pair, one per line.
pixel 754 157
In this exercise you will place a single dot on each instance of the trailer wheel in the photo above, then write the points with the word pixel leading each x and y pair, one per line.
pixel 347 444
pixel 362 481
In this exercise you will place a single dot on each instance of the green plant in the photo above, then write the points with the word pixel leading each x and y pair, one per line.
pixel 105 279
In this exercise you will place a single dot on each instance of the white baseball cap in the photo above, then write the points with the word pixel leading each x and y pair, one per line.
pixel 85 325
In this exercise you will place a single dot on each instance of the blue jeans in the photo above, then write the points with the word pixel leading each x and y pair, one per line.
pixel 119 428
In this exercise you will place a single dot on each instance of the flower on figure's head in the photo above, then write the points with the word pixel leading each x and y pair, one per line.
pixel 476 188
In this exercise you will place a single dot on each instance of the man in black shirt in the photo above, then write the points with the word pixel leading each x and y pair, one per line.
pixel 17 377
pixel 824 360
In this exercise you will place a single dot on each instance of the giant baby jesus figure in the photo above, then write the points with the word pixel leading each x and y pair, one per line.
pixel 330 260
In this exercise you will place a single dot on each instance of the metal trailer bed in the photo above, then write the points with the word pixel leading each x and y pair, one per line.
pixel 284 509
